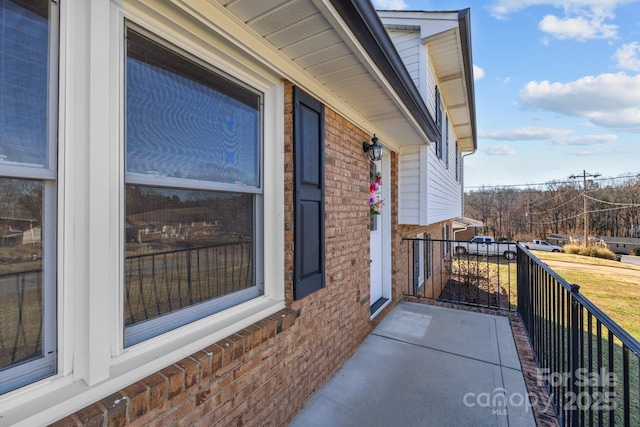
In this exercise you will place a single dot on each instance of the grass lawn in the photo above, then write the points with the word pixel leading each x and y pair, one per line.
pixel 612 286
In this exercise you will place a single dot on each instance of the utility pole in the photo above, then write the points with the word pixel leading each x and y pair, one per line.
pixel 584 197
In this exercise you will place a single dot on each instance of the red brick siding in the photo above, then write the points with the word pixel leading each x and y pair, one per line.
pixel 440 268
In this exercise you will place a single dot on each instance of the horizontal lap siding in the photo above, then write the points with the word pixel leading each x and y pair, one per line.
pixel 407 44
pixel 409 176
pixel 444 192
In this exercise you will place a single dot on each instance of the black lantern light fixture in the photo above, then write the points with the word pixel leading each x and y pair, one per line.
pixel 374 149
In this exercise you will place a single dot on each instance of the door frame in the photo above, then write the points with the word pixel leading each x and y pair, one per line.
pixel 385 224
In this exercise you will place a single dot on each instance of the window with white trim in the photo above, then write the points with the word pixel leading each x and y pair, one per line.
pixel 421 256
pixel 192 187
pixel 445 241
pixel 28 187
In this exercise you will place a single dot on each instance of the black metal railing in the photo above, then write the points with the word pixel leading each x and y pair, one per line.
pixel 20 317
pixel 441 270
pixel 163 282
pixel 588 363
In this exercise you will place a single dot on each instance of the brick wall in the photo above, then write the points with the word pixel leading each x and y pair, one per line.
pixel 264 374
pixel 440 268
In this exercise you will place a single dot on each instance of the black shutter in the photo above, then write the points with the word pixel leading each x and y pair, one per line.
pixel 438 124
pixel 308 149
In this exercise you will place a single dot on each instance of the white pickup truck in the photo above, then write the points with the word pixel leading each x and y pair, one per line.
pixel 541 245
pixel 487 246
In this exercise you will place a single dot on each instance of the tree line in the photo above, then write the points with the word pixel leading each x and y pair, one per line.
pixel 612 207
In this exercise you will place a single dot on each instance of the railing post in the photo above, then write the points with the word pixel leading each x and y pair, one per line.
pixel 575 365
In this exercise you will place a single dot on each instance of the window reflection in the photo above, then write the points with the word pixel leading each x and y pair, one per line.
pixel 24 79
pixel 184 247
pixel 20 271
pixel 184 121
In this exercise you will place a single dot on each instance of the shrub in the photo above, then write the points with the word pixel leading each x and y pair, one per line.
pixel 571 249
pixel 593 251
pixel 636 251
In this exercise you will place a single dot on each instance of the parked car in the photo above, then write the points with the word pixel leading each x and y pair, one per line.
pixel 487 246
pixel 542 245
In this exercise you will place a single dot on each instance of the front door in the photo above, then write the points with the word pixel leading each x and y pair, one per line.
pixel 375 250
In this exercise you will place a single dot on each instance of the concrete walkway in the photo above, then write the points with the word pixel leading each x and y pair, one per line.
pixel 427 366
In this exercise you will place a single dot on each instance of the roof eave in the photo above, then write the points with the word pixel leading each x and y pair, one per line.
pixel 464 20
pixel 365 24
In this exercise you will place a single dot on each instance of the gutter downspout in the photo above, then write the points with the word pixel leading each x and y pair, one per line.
pixel 462 186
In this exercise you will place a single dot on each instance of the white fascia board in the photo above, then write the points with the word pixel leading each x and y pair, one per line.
pixel 429 23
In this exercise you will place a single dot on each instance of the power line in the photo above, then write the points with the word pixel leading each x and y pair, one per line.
pixel 564 219
pixel 555 207
pixel 548 183
pixel 624 205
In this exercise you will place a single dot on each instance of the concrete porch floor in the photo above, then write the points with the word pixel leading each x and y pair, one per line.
pixel 425 365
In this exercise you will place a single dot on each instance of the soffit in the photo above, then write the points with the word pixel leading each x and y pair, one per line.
pixel 312 35
pixel 447 37
pixel 448 63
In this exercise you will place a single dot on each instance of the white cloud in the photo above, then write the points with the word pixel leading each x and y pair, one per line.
pixel 524 134
pixel 501 9
pixel 587 139
pixel 557 136
pixel 608 100
pixel 582 20
pixel 580 28
pixel 390 4
pixel 499 150
pixel 478 72
pixel 628 56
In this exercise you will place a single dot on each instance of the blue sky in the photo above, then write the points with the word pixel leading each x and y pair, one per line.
pixel 557 87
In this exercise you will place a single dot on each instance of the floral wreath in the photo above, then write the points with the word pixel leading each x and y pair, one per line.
pixel 375 204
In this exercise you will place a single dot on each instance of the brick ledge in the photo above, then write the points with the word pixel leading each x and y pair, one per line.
pixel 152 392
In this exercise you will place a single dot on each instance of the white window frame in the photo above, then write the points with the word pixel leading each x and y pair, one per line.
pixel 93 361
pixel 210 329
pixel 34 370
pixel 142 331
pixel 445 243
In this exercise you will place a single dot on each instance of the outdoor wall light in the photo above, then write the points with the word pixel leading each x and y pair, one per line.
pixel 374 149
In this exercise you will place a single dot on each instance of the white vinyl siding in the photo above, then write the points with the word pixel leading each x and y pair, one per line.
pixel 444 192
pixel 431 88
pixel 408 45
pixel 410 174
pixel 428 191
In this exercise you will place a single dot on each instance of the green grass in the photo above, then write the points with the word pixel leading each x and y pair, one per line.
pixel 615 293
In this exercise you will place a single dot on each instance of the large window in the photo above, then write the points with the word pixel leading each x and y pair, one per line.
pixel 28 117
pixel 193 189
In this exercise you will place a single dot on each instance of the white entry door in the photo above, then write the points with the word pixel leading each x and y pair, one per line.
pixel 375 250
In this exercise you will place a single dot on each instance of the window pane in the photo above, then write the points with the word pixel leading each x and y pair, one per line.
pixel 185 247
pixel 24 47
pixel 21 287
pixel 184 121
